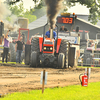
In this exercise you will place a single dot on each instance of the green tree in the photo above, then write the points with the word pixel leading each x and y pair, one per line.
pixel 20 11
pixel 94 9
pixel 17 10
pixel 29 16
pixel 93 5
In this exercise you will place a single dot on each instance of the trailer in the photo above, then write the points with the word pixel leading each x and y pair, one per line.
pixel 91 55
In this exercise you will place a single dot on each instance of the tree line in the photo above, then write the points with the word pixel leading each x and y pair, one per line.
pixel 93 5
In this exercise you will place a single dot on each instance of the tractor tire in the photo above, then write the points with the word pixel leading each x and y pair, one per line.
pixel 33 59
pixel 61 59
pixel 12 53
pixel 64 48
pixel 27 54
pixel 35 47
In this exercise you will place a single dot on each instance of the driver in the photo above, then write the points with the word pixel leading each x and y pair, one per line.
pixel 47 34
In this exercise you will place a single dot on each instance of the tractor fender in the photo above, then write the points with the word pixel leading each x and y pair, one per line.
pixel 40 43
pixel 58 45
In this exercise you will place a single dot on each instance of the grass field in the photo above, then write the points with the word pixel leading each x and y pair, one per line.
pixel 11 62
pixel 86 67
pixel 75 92
pixel 77 66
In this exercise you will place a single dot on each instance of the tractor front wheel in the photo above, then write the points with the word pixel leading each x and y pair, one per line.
pixel 61 59
pixel 34 59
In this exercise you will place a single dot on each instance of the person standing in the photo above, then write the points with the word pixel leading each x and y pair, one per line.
pixel 19 47
pixel 6 47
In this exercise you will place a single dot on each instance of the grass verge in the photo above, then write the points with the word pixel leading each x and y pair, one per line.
pixel 11 62
pixel 74 92
pixel 86 67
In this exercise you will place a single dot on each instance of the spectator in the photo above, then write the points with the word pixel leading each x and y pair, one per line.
pixel 63 29
pixel 19 47
pixel 6 47
pixel 47 34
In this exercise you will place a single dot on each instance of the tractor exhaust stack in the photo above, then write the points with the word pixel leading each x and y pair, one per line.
pixel 51 33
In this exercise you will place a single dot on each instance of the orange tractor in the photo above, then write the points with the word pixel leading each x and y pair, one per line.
pixel 49 52
pixel 58 53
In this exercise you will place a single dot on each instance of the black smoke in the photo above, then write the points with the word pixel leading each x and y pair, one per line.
pixel 53 8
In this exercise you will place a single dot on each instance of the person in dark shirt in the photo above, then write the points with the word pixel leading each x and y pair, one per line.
pixel 63 29
pixel 19 48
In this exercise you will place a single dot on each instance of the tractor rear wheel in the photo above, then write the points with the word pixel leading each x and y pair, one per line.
pixel 27 54
pixel 35 47
pixel 61 59
pixel 64 48
pixel 34 59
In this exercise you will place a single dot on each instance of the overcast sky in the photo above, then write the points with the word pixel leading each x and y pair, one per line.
pixel 79 9
pixel 28 3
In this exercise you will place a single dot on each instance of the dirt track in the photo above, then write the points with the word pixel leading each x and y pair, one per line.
pixel 13 79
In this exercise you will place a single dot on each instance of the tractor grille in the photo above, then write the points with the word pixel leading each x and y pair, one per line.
pixel 48 49
pixel 48 42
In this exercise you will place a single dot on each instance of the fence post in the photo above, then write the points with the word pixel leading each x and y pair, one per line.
pixel 43 81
